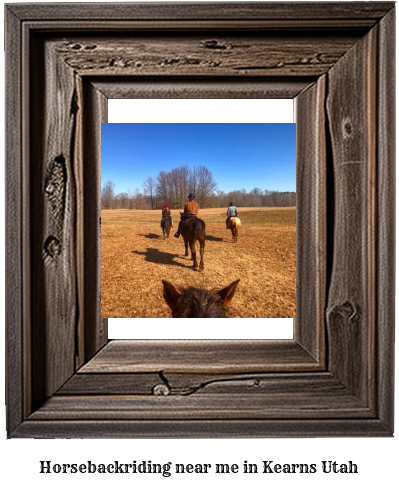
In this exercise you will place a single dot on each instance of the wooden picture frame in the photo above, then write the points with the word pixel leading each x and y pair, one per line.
pixel 335 378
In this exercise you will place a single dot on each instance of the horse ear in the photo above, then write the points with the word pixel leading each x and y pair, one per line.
pixel 171 294
pixel 226 294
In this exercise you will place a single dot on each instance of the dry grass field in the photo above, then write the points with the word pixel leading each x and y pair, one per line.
pixel 135 258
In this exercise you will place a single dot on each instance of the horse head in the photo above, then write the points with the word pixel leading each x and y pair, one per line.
pixel 194 302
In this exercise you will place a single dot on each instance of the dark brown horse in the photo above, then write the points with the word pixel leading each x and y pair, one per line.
pixel 191 302
pixel 192 230
pixel 234 224
pixel 165 225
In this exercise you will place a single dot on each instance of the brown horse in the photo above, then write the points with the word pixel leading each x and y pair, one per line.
pixel 198 303
pixel 193 229
pixel 234 224
pixel 165 225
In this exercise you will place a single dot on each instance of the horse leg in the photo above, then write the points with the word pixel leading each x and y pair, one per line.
pixel 186 246
pixel 193 253
pixel 202 250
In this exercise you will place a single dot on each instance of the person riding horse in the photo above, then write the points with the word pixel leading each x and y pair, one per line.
pixel 166 214
pixel 191 209
pixel 231 211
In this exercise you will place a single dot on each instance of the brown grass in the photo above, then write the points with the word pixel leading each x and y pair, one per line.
pixel 135 258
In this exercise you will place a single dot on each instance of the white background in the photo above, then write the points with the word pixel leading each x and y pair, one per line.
pixel 376 457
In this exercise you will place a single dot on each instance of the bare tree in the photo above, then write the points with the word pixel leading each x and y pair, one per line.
pixel 131 199
pixel 162 187
pixel 255 197
pixel 172 187
pixel 122 201
pixel 205 185
pixel 221 198
pixel 182 178
pixel 149 187
pixel 192 182
pixel 108 195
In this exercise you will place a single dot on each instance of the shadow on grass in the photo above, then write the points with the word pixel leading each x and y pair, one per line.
pixel 157 257
pixel 214 239
pixel 153 236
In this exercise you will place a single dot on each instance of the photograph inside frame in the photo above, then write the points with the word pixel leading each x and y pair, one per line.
pixel 198 220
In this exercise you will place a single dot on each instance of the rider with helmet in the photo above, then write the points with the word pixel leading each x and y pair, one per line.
pixel 166 214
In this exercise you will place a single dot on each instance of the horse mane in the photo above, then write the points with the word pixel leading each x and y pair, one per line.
pixel 192 302
pixel 199 303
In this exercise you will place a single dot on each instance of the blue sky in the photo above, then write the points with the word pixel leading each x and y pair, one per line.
pixel 239 155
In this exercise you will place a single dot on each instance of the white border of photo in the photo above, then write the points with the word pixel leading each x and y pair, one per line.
pixel 201 111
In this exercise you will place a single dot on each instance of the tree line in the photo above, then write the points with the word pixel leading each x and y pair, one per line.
pixel 172 187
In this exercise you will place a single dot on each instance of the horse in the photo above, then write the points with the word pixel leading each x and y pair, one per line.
pixel 192 302
pixel 165 225
pixel 234 224
pixel 193 229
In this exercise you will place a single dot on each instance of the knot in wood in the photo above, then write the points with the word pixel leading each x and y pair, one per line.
pixel 50 188
pixel 213 44
pixel 55 180
pixel 90 47
pixel 52 246
pixel 161 390
pixel 347 128
pixel 346 310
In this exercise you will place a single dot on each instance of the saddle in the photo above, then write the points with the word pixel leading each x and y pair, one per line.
pixel 187 217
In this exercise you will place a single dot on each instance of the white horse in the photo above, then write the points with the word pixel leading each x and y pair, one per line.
pixel 234 224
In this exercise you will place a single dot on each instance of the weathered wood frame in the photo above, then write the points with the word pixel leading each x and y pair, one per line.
pixel 64 379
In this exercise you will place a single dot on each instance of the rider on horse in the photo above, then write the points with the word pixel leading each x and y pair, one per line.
pixel 231 211
pixel 166 214
pixel 191 209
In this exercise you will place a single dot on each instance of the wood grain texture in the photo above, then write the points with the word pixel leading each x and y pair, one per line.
pixel 95 330
pixel 202 407
pixel 53 218
pixel 207 11
pixel 269 396
pixel 239 55
pixel 385 224
pixel 111 384
pixel 311 255
pixel 200 356
pixel 218 55
pixel 185 384
pixel 351 307
pixel 183 87
pixel 14 258
pixel 337 62
pixel 250 428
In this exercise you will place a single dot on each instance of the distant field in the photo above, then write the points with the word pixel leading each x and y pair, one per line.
pixel 135 258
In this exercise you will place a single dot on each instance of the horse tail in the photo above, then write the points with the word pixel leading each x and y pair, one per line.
pixel 199 229
pixel 235 224
pixel 234 227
